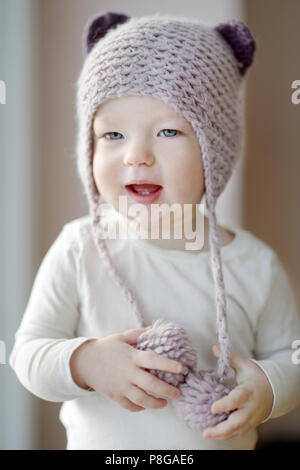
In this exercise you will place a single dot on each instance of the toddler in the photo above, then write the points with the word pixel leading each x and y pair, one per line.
pixel 160 122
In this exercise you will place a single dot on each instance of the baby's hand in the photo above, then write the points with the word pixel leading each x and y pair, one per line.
pixel 114 368
pixel 252 400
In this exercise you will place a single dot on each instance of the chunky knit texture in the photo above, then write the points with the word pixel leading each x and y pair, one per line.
pixel 199 389
pixel 170 340
pixel 197 70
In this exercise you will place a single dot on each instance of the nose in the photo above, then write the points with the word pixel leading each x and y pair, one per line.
pixel 139 155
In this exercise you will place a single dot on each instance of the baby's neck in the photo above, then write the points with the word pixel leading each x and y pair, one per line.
pixel 194 242
pixel 199 241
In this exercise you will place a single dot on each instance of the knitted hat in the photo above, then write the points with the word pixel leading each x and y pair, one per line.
pixel 194 68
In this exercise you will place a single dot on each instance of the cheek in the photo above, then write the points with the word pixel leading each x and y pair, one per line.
pixel 98 170
pixel 105 175
pixel 187 180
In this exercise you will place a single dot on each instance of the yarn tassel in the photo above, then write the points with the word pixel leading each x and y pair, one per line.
pixel 199 389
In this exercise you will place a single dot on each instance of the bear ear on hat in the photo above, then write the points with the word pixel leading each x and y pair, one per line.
pixel 98 26
pixel 241 41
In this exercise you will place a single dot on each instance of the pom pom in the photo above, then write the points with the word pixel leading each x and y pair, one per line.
pixel 199 390
pixel 198 393
pixel 98 26
pixel 172 341
pixel 240 39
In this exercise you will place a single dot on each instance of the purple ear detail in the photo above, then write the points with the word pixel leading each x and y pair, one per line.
pixel 98 26
pixel 238 36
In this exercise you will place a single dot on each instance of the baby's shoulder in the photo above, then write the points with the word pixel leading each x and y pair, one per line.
pixel 77 232
pixel 254 247
pixel 252 259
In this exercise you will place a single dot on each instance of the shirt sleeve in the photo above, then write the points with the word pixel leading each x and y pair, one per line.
pixel 278 328
pixel 46 337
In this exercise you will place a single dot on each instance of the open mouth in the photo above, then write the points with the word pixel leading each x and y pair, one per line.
pixel 144 188
pixel 144 193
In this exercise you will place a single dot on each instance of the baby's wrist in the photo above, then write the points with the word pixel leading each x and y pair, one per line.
pixel 79 364
pixel 266 389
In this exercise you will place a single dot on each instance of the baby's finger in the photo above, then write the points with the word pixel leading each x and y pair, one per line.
pixel 152 360
pixel 129 405
pixel 141 398
pixel 153 384
pixel 235 399
pixel 229 428
pixel 131 336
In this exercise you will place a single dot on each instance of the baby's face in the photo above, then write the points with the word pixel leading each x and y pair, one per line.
pixel 142 138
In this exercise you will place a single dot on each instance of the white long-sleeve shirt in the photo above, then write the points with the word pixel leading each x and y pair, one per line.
pixel 73 299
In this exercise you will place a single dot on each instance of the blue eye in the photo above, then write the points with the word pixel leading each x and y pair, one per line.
pixel 109 133
pixel 118 133
pixel 169 130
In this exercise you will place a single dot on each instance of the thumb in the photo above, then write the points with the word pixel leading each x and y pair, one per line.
pixel 131 336
pixel 237 361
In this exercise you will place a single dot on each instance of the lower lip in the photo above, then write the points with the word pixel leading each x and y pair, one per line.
pixel 144 198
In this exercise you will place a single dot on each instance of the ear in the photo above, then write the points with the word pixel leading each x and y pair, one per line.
pixel 98 26
pixel 241 41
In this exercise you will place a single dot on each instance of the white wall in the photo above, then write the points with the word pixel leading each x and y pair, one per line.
pixel 271 186
pixel 19 143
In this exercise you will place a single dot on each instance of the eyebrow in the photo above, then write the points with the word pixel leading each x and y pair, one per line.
pixel 107 118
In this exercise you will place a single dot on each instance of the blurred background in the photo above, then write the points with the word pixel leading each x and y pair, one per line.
pixel 40 60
